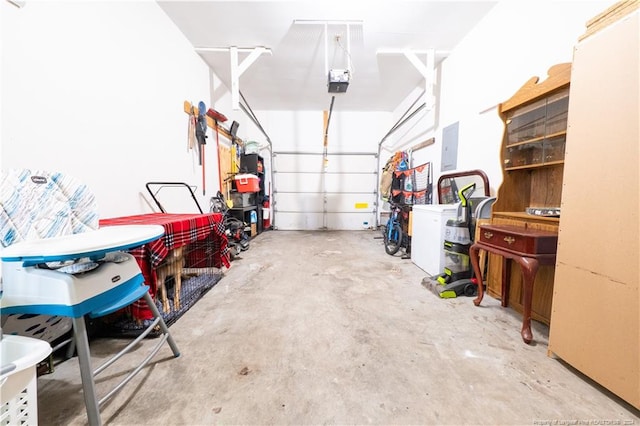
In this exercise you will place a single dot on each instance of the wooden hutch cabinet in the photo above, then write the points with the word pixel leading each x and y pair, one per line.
pixel 532 157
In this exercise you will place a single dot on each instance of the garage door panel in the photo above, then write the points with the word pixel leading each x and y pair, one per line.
pixel 310 182
pixel 308 197
pixel 314 221
pixel 315 163
pixel 349 182
pixel 350 163
pixel 298 202
pixel 298 182
pixel 298 163
pixel 336 203
pixel 297 221
pixel 350 221
pixel 350 203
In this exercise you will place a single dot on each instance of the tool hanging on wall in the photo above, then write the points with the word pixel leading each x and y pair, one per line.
pixel 191 129
pixel 218 151
pixel 201 135
pixel 212 123
pixel 217 117
pixel 214 119
pixel 228 185
pixel 236 149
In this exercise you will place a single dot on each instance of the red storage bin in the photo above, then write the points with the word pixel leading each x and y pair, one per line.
pixel 247 183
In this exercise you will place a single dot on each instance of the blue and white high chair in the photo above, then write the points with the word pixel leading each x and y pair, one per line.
pixel 57 261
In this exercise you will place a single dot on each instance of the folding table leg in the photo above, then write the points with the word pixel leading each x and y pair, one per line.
pixel 86 371
pixel 161 323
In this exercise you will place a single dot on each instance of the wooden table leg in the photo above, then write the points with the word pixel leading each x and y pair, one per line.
pixel 529 269
pixel 506 282
pixel 474 256
pixel 528 262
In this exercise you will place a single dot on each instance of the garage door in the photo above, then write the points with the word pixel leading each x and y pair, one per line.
pixel 312 193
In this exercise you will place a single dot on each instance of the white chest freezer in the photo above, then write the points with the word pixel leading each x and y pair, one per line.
pixel 427 235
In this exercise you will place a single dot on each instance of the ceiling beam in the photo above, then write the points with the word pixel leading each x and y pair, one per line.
pixel 328 22
pixel 427 70
pixel 237 69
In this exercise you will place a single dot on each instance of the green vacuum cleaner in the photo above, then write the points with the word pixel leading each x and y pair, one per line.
pixel 456 280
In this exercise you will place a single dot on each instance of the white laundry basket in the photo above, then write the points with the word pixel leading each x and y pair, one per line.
pixel 18 380
pixel 22 409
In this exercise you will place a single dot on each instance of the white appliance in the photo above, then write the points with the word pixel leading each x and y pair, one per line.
pixel 428 227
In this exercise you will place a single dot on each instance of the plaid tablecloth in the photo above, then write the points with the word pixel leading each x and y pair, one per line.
pixel 204 233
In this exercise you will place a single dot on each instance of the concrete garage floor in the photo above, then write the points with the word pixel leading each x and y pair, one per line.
pixel 326 328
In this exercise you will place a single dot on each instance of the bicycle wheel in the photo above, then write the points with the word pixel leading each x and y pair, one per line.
pixel 393 239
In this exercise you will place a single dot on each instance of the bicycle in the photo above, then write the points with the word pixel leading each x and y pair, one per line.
pixel 394 236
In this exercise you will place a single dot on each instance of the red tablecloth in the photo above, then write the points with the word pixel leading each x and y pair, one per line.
pixel 205 233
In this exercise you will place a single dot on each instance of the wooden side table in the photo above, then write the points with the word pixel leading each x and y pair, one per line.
pixel 530 248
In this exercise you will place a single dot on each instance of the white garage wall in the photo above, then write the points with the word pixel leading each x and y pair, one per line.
pixel 514 42
pixel 96 89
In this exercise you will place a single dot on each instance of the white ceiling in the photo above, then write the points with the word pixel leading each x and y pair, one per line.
pixel 293 76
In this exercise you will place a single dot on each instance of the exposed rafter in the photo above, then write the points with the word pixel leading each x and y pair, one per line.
pixel 427 70
pixel 237 69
